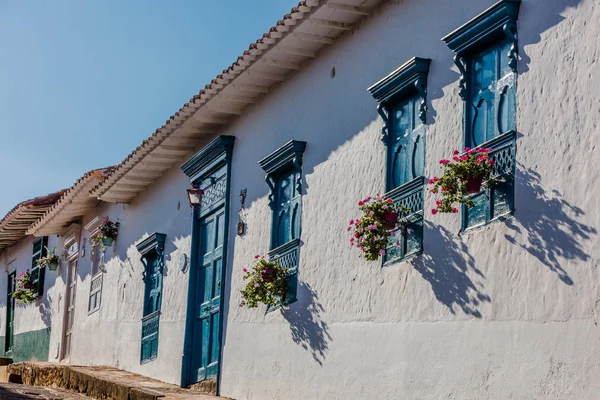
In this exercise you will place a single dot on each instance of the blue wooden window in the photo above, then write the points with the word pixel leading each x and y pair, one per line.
pixel 284 178
pixel 38 274
pixel 152 251
pixel 402 105
pixel 486 56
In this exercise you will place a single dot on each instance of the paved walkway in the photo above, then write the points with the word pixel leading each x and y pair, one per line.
pixel 13 391
pixel 99 382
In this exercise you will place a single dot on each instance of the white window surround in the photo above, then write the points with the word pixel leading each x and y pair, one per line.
pixel 96 256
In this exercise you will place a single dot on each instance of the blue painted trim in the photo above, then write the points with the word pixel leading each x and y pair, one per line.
pixel 287 156
pixel 155 242
pixel 489 26
pixel 199 166
pixel 221 146
pixel 409 78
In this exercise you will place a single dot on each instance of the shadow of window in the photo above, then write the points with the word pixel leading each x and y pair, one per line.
pixel 450 270
pixel 546 224
pixel 306 326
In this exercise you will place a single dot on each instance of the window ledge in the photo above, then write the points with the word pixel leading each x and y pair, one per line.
pixel 400 260
pixel 480 227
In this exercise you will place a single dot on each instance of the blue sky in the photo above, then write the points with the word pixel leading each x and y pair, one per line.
pixel 82 83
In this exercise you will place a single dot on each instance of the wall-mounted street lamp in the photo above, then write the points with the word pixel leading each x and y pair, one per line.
pixel 195 196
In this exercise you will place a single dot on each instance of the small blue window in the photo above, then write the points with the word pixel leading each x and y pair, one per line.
pixel 402 105
pixel 486 56
pixel 152 251
pixel 284 178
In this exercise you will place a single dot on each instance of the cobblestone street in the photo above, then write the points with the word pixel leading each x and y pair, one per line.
pixel 12 391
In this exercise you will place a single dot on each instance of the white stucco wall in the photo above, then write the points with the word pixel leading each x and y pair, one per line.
pixel 508 311
pixel 39 314
pixel 112 335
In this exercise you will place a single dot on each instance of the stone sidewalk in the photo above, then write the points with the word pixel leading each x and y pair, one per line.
pixel 103 383
pixel 13 391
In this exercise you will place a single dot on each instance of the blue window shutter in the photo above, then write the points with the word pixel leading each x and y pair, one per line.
pixel 152 251
pixel 402 105
pixel 284 177
pixel 38 274
pixel 486 57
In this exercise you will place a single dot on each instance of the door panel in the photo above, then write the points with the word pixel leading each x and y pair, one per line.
pixel 69 308
pixel 206 335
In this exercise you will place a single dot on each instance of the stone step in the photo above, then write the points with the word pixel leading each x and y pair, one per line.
pixel 102 383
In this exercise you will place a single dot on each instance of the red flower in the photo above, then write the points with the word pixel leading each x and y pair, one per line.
pixel 455 152
pixel 360 203
pixel 356 234
pixel 464 158
pixel 467 149
pixel 455 158
pixel 434 211
pixel 454 210
pixel 445 189
pixel 390 200
pixel 438 203
pixel 444 162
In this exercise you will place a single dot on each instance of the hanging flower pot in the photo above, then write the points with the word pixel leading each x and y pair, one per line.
pixel 107 241
pixel 391 219
pixel 24 290
pixel 53 266
pixel 50 261
pixel 266 283
pixel 463 176
pixel 474 184
pixel 27 285
pixel 371 233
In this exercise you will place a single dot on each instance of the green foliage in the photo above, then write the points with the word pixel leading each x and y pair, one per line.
pixel 452 185
pixel 108 229
pixel 267 283
pixel 24 292
pixel 51 258
pixel 371 233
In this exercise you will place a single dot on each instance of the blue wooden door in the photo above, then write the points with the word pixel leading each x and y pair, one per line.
pixel 206 326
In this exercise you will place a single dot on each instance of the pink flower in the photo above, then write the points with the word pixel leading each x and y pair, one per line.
pixel 367 199
pixel 390 200
pixel 491 162
pixel 257 285
pixel 356 234
pixel 371 212
pixel 397 243
pixel 382 252
pixel 244 270
pixel 385 207
pixel 445 189
pixel 349 229
pixel 471 152
pixel 351 222
pixel 455 158
pixel 481 150
pixel 360 203
pixel 438 203
pixel 454 210
pixel 360 230
pixel 276 256
pixel 357 221
pixel 464 158
pixel 257 256
pixel 434 211
pixel 431 181
pixel 444 162
pixel 467 149
pixel 455 152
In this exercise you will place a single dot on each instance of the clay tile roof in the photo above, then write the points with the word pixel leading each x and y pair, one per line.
pixel 16 222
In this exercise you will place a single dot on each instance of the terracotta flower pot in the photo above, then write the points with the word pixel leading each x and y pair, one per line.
pixel 107 241
pixel 391 219
pixel 474 184
pixel 27 285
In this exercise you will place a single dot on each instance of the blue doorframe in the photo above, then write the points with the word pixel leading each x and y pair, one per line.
pixel 210 168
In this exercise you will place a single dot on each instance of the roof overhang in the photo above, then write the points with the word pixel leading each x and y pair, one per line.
pixel 14 225
pixel 288 46
pixel 75 203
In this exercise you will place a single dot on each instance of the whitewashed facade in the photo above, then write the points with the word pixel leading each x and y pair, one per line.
pixel 506 310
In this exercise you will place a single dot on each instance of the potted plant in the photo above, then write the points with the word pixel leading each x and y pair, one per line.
pixel 51 260
pixel 372 232
pixel 266 283
pixel 108 233
pixel 463 176
pixel 24 291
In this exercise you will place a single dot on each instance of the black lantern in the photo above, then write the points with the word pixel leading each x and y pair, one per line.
pixel 195 196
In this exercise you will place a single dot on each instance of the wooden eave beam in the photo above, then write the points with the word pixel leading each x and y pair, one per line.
pixel 348 9
pixel 314 38
pixel 280 63
pixel 295 51
pixel 325 23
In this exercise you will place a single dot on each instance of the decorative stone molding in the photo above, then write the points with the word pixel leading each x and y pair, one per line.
pixel 220 149
pixel 286 157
